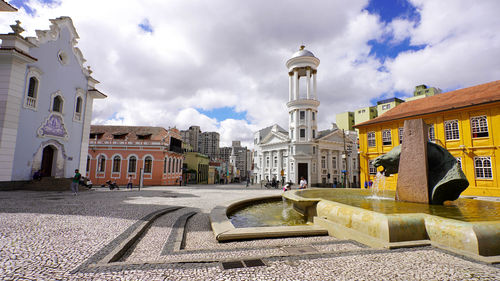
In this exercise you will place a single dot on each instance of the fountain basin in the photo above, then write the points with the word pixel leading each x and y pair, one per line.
pixel 224 230
pixel 348 214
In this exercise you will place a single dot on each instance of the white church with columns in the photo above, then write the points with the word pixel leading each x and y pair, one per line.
pixel 321 157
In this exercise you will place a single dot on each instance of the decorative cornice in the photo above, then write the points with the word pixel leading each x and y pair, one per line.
pixel 44 36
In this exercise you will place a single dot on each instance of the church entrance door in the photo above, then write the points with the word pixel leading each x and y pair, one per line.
pixel 47 161
pixel 302 169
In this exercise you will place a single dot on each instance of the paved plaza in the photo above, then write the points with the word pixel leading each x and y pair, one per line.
pixel 57 236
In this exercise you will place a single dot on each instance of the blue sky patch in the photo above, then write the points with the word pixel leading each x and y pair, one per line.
pixel 223 113
pixel 392 9
pixel 22 4
pixel 383 50
pixel 146 26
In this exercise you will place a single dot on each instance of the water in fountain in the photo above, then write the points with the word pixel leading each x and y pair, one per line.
pixel 378 188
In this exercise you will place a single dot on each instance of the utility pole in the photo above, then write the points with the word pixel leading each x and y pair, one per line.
pixel 345 159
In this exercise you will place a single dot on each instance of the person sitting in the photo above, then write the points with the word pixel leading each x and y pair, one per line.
pixel 37 176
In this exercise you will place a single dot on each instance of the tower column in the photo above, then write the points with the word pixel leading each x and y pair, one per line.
pixel 290 91
pixel 308 75
pixel 309 124
pixel 314 85
pixel 296 80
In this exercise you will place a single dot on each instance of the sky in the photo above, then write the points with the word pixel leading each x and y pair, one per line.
pixel 220 64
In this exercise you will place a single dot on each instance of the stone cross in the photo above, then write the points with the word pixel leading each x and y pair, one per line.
pixel 412 183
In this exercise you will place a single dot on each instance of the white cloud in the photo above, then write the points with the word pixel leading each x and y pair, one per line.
pixel 210 54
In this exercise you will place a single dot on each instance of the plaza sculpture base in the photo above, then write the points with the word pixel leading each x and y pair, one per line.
pixel 477 240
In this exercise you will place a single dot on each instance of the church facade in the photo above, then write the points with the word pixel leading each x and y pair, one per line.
pixel 46 98
pixel 321 157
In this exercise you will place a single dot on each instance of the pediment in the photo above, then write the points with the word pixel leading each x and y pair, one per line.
pixel 274 137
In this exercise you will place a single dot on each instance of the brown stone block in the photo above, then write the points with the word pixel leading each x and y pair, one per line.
pixel 412 183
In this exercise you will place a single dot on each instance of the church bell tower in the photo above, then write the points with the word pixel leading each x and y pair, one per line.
pixel 303 102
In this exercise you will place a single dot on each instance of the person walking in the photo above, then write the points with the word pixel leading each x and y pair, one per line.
pixel 130 183
pixel 75 181
pixel 180 180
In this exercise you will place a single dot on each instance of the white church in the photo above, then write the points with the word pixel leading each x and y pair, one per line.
pixel 321 157
pixel 46 97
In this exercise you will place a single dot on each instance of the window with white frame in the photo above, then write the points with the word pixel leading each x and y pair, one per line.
pixel 314 168
pixel 275 161
pixel 170 164
pixel 371 139
pixel 459 162
pixel 132 164
pixel 451 131
pixel 400 133
pixel 344 165
pixel 302 115
pixel 267 161
pixel 334 162
pixel 148 164
pixel 386 106
pixel 313 116
pixel 78 108
pixel 101 164
pixel 165 165
pixel 386 137
pixel 479 125
pixel 432 134
pixel 302 133
pixel 371 168
pixel 482 165
pixel 323 162
pixel 116 164
pixel 31 95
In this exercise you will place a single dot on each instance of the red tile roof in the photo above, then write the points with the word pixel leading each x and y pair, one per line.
pixel 475 95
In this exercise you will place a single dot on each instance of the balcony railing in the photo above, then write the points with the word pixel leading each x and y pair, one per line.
pixel 31 102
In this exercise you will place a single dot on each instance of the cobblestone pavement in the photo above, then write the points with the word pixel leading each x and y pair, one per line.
pixel 57 236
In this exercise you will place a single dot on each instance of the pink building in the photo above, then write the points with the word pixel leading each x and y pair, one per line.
pixel 116 152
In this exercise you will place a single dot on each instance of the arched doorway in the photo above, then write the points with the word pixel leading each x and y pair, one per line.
pixel 47 161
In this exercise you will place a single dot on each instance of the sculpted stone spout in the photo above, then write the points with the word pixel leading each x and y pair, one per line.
pixel 445 179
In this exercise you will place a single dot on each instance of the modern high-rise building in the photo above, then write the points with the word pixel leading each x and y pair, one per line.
pixel 239 159
pixel 191 136
pixel 209 144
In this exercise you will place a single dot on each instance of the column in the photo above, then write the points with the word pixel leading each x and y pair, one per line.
pixel 318 165
pixel 315 96
pixel 262 166
pixel 290 91
pixel 329 165
pixel 309 124
pixel 296 80
pixel 297 130
pixel 308 75
pixel 280 164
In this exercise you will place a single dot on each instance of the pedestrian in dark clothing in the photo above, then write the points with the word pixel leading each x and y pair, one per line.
pixel 75 181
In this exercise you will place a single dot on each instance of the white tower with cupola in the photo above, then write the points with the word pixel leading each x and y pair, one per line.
pixel 303 102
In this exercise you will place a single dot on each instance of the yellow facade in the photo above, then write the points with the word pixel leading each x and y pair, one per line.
pixel 467 148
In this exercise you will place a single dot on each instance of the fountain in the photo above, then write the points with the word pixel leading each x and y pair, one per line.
pixel 424 209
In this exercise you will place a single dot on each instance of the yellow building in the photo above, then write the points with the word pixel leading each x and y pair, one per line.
pixel 466 122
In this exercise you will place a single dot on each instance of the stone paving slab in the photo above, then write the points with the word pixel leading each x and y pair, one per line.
pixel 42 238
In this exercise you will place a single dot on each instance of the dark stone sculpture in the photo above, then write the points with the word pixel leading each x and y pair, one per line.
pixel 445 178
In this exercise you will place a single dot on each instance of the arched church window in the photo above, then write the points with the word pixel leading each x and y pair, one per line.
pixel 32 92
pixel 57 104
pixel 78 108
